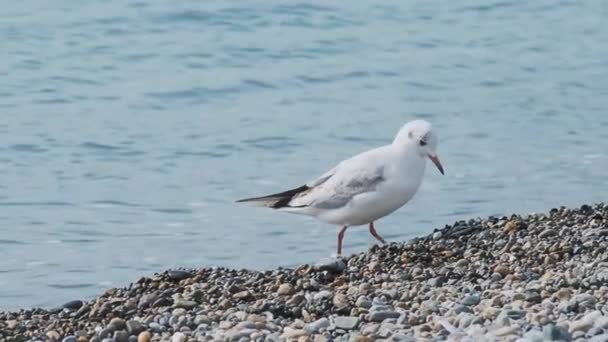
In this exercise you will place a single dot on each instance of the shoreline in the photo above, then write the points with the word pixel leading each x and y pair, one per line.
pixel 533 278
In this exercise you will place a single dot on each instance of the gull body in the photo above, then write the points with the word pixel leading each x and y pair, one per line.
pixel 365 187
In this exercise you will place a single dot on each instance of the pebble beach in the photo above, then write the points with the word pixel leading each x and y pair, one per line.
pixel 535 277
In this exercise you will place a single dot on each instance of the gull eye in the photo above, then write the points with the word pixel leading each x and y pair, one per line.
pixel 422 143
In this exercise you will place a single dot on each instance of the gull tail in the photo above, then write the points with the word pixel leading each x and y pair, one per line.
pixel 275 201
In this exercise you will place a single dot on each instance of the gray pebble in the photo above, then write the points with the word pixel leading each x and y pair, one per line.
pixel 236 335
pixel 471 299
pixel 346 322
pixel 121 336
pixel 156 327
pixel 379 316
pixel 178 275
pixel 317 325
pixel 363 302
pixel 599 338
pixel 73 305
pixel 332 265
pixel 594 332
pixel 134 327
pixel 69 339
pixel 178 337
pixel 322 295
pixel 184 304
pixel 552 332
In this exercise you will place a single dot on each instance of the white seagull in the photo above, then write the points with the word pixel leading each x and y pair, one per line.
pixel 366 187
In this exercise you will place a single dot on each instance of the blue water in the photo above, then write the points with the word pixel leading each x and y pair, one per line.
pixel 128 128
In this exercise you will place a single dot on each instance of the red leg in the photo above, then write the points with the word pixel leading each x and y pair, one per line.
pixel 372 231
pixel 340 237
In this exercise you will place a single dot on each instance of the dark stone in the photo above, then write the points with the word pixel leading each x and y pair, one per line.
pixel 73 305
pixel 177 275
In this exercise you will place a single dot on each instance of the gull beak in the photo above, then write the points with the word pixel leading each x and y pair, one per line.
pixel 436 161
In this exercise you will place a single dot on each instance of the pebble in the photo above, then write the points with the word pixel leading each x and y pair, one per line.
pixel 379 316
pixel 53 335
pixel 363 302
pixel 346 322
pixel 178 337
pixel 599 338
pixel 73 305
pixel 332 265
pixel 285 290
pixel 118 323
pixel 551 332
pixel 470 300
pixel 178 275
pixel 474 280
pixel 121 336
pixel 134 327
pixel 69 339
pixel 317 325
pixel 144 336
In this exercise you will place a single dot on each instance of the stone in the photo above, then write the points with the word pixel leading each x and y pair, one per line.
pixel 242 295
pixel 594 332
pixel 236 335
pixel 471 299
pixel 437 281
pixel 379 316
pixel 118 323
pixel 563 294
pixel 73 305
pixel 599 338
pixel 289 332
pixel 285 290
pixel 504 331
pixel 533 335
pixel 346 322
pixel 178 312
pixel 178 337
pixel 52 335
pixel 69 339
pixel 178 275
pixel 322 295
pixel 121 336
pixel 502 270
pixel 360 338
pixel 185 304
pixel 363 302
pixel 331 265
pixel 601 322
pixel 532 296
pixel 551 332
pixel 144 336
pixel 156 327
pixel 581 325
pixel 373 266
pixel 317 325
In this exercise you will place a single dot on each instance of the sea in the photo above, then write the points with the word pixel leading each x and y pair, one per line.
pixel 129 128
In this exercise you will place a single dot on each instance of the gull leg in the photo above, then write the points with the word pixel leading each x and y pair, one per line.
pixel 374 233
pixel 340 237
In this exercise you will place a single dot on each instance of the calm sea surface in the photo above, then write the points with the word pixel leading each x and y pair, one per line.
pixel 128 128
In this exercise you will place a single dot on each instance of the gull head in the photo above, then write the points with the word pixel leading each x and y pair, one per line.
pixel 419 134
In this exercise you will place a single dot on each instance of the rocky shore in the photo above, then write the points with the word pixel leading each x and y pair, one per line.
pixel 538 277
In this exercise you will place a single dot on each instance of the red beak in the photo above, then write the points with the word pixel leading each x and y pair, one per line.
pixel 437 163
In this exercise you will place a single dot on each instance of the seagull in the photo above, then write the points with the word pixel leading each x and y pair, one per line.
pixel 365 187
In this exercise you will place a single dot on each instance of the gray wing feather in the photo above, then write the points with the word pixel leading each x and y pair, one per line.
pixel 343 191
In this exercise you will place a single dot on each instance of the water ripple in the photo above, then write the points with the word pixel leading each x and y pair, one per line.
pixel 271 143
pixel 32 148
pixel 11 242
pixel 36 204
